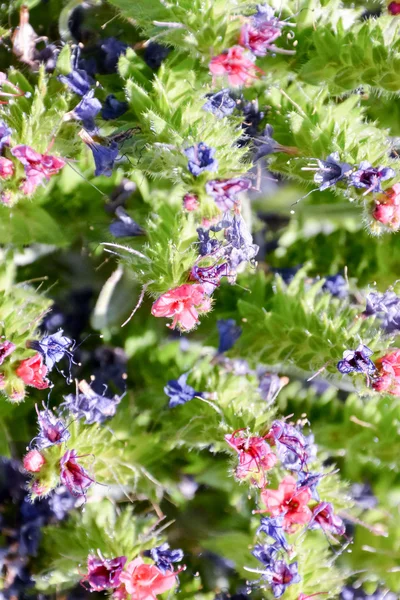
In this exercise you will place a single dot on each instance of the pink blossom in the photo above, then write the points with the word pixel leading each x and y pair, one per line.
pixel 387 208
pixel 6 167
pixel 323 517
pixel 255 457
pixel 191 202
pixel 145 582
pixel 33 372
pixel 6 348
pixel 290 502
pixel 33 461
pixel 235 64
pixel 182 304
pixel 37 166
pixel 388 379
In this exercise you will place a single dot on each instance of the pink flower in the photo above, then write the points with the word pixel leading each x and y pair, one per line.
pixel 33 372
pixel 387 208
pixel 394 8
pixel 290 502
pixel 388 379
pixel 37 166
pixel 235 64
pixel 255 457
pixel 6 348
pixel 144 582
pixel 182 304
pixel 191 202
pixel 33 461
pixel 6 167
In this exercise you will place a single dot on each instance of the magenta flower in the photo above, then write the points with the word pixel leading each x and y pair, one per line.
pixel 259 33
pixel 324 518
pixel 6 168
pixel 37 167
pixel 255 457
pixel 73 475
pixel 104 573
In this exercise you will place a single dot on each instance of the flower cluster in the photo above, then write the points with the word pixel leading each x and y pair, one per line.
pixel 295 503
pixel 136 579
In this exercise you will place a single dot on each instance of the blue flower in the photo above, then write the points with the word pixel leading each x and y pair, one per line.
pixel 5 133
pixel 124 226
pixel 113 108
pixel 104 156
pixel 229 333
pixel 201 158
pixel 78 81
pixel 265 554
pixel 280 575
pixel 265 144
pixel 164 557
pixel 179 391
pixel 269 385
pixel 273 527
pixel 336 285
pixel 370 177
pixel 89 406
pixel 221 104
pixel 155 54
pixel 387 308
pixel 112 49
pixel 329 171
pixel 87 109
pixel 53 348
pixel 357 361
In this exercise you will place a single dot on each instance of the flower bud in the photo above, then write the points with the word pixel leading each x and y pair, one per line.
pixel 33 461
pixel 190 202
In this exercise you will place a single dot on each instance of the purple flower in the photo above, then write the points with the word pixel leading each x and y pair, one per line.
pixel 179 391
pixel 269 385
pixel 124 225
pixel 112 49
pixel 104 156
pixel 209 277
pixel 53 348
pixel 240 240
pixel 324 518
pixel 357 361
pixel 310 481
pixel 103 573
pixel 73 475
pixel 52 430
pixel 201 158
pixel 61 502
pixel 225 191
pixel 164 557
pixel 265 554
pixel 273 527
pixel 221 104
pixel 207 244
pixel 229 333
pixel 78 81
pixel 155 54
pixel 90 406
pixel 265 144
pixel 280 575
pixel 87 109
pixel 336 285
pixel 291 445
pixel 5 133
pixel 370 177
pixel 6 348
pixel 387 308
pixel 113 108
pixel 329 171
pixel 259 33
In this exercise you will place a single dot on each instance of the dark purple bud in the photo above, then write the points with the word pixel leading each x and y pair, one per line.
pixel 328 172
pixel 53 348
pixel 112 49
pixel 201 158
pixel 252 119
pixel 221 104
pixel 124 225
pixel 103 573
pixel 179 391
pixel 324 518
pixel 87 109
pixel 370 177
pixel 229 333
pixel 387 308
pixel 52 430
pixel 113 108
pixel 6 348
pixel 336 285
pixel 104 156
pixel 207 244
pixel 155 54
pixel 273 527
pixel 73 475
pixel 78 81
pixel 225 191
pixel 164 557
pixel 5 133
pixel 280 575
pixel 357 361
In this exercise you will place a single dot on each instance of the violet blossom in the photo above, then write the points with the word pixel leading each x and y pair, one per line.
pixel 273 527
pixel 291 445
pixel 220 104
pixel 201 158
pixel 229 332
pixel 357 361
pixel 386 307
pixel 370 177
pixel 225 191
pixel 113 108
pixel 164 557
pixel 53 348
pixel 328 172
pixel 124 225
pixel 324 518
pixel 52 430
pixel 179 391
